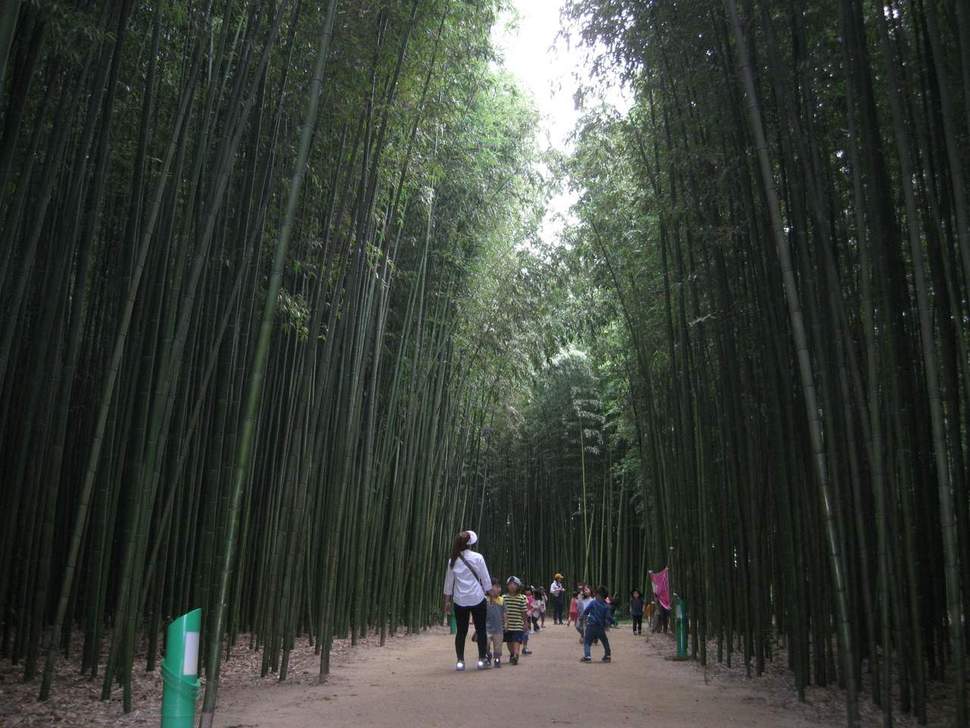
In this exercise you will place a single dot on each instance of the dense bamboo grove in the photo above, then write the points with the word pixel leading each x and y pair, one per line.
pixel 551 497
pixel 770 263
pixel 269 333
pixel 245 252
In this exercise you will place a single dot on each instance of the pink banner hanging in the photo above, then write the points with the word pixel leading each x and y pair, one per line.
pixel 661 587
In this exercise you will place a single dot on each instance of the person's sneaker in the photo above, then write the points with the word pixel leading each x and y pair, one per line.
pixel 607 658
pixel 514 660
pixel 460 667
pixel 526 652
pixel 498 662
pixel 586 659
pixel 482 664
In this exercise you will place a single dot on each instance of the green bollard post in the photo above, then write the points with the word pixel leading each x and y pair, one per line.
pixel 452 623
pixel 681 628
pixel 180 671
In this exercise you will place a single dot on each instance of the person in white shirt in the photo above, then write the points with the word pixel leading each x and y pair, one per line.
pixel 466 582
pixel 558 593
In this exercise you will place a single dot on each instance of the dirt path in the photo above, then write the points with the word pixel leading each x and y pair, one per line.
pixel 410 682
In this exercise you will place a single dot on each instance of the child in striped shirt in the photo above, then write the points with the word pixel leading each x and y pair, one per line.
pixel 515 618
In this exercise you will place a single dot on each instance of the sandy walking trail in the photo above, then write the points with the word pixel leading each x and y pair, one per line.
pixel 411 682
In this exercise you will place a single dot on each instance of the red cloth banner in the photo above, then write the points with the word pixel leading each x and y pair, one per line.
pixel 661 587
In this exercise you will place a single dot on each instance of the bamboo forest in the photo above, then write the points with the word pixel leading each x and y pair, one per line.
pixel 282 311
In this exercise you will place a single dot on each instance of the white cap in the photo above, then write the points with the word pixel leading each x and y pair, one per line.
pixel 472 538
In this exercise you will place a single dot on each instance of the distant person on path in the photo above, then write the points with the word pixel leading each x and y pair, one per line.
pixel 585 599
pixel 530 607
pixel 597 617
pixel 574 609
pixel 466 581
pixel 636 611
pixel 659 616
pixel 557 592
pixel 661 591
pixel 515 618
pixel 495 623
pixel 541 606
pixel 664 622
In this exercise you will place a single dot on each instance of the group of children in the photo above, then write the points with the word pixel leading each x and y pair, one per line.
pixel 583 597
pixel 510 618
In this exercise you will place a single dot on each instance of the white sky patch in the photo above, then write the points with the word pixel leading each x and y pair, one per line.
pixel 551 72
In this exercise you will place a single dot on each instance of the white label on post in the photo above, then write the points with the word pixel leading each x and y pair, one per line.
pixel 190 664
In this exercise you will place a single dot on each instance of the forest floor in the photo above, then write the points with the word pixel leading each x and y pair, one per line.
pixel 411 681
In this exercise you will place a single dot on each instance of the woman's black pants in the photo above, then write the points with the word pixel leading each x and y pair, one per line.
pixel 557 607
pixel 461 617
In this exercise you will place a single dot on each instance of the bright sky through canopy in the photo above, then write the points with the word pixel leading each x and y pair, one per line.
pixel 550 70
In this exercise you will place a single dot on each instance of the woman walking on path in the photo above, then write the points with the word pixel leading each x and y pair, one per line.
pixel 466 581
pixel 557 592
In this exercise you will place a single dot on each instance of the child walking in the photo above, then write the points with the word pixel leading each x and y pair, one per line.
pixel 573 616
pixel 532 609
pixel 585 599
pixel 636 611
pixel 495 623
pixel 531 623
pixel 515 618
pixel 597 617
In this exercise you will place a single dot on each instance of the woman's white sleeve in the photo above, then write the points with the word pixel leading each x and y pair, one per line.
pixel 449 582
pixel 486 577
